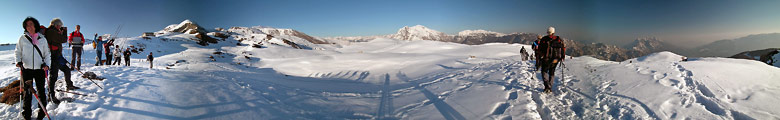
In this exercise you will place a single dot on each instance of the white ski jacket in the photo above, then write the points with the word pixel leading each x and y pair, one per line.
pixel 28 55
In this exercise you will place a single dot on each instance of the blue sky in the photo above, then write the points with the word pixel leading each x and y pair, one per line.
pixel 692 22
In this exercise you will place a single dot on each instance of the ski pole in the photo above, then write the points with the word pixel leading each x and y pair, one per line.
pixel 77 69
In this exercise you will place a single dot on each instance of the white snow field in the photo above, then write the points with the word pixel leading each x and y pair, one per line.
pixel 397 79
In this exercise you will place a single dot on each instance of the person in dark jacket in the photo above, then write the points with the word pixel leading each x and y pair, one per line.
pixel 552 51
pixel 33 57
pixel 56 34
pixel 127 56
pixel 150 58
pixel 523 53
pixel 535 47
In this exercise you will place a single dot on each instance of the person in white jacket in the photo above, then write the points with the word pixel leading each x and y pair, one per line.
pixel 33 57
pixel 117 56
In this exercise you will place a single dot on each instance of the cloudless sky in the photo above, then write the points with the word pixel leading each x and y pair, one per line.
pixel 693 22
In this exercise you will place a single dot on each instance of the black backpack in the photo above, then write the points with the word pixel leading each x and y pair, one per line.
pixel 552 47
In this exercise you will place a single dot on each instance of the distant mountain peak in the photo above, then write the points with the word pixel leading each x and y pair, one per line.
pixel 185 26
pixel 479 32
pixel 418 32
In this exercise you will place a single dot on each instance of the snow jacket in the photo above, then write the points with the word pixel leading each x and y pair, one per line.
pixel 107 47
pixel 55 39
pixel 79 42
pixel 127 53
pixel 99 44
pixel 117 52
pixel 29 56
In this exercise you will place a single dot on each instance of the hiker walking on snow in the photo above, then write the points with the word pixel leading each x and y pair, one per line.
pixel 56 34
pixel 535 47
pixel 551 51
pixel 523 53
pixel 76 42
pixel 33 56
pixel 150 58
pixel 127 56
pixel 117 56
pixel 98 44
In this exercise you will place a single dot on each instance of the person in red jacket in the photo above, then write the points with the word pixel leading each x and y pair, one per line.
pixel 76 43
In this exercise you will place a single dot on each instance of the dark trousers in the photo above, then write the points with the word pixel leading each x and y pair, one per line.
pixel 75 57
pixel 127 61
pixel 108 58
pixel 99 57
pixel 548 73
pixel 118 60
pixel 38 76
pixel 54 71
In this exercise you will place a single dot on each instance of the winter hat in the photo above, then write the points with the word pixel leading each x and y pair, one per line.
pixel 551 30
pixel 55 21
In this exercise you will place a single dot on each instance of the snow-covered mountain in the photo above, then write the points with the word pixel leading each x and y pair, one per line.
pixel 419 32
pixel 185 26
pixel 598 50
pixel 646 45
pixel 287 32
pixel 640 47
pixel 265 36
pixel 769 56
pixel 480 32
pixel 469 37
pixel 189 27
pixel 728 47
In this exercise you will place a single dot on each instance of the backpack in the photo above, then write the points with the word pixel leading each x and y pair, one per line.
pixel 557 48
pixel 552 47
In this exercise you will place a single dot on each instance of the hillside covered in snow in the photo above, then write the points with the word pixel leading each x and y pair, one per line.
pixel 258 73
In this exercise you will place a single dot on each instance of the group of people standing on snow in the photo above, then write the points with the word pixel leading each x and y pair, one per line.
pixel 39 50
pixel 548 52
pixel 104 47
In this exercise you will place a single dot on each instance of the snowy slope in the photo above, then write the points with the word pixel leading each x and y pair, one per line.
pixel 401 79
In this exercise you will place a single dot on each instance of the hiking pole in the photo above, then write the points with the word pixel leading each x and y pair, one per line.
pixel 21 84
pixel 562 74
pixel 77 69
